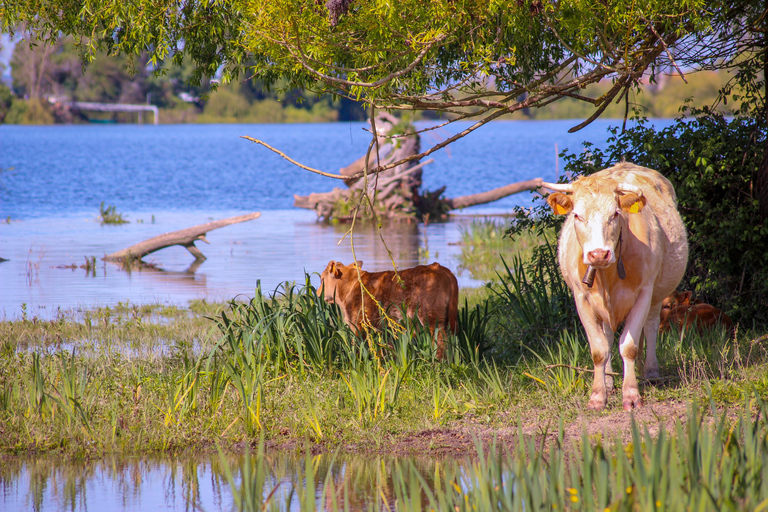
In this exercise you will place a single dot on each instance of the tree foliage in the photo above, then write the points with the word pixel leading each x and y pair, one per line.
pixel 472 59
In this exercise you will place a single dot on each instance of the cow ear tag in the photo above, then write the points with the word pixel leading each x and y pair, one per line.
pixel 560 209
pixel 635 207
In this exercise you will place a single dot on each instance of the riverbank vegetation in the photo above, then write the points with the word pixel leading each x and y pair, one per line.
pixel 284 366
pixel 46 78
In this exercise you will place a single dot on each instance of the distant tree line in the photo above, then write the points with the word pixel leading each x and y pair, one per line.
pixel 45 78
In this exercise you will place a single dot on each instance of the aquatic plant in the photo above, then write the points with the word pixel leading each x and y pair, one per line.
pixel 110 215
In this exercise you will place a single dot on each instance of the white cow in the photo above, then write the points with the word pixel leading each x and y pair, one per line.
pixel 622 250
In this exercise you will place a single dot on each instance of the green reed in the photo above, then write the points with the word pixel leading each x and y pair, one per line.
pixel 716 460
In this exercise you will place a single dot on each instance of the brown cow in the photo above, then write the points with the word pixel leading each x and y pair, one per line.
pixel 429 291
pixel 676 298
pixel 623 234
pixel 700 316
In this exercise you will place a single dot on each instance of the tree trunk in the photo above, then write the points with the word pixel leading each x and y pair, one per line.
pixel 396 192
pixel 761 181
pixel 184 237
pixel 493 195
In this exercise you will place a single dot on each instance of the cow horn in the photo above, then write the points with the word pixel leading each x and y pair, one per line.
pixel 558 187
pixel 627 187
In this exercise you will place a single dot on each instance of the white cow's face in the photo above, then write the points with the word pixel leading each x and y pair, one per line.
pixel 597 218
pixel 597 223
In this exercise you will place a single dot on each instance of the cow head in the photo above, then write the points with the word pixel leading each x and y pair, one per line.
pixel 676 299
pixel 333 274
pixel 597 211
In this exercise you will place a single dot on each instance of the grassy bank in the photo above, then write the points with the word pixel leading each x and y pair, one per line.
pixel 142 378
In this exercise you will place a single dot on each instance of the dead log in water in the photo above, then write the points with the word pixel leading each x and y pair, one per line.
pixel 395 193
pixel 184 237
pixel 489 196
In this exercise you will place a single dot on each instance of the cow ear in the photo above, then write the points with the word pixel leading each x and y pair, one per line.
pixel 358 264
pixel 335 270
pixel 685 298
pixel 631 202
pixel 561 204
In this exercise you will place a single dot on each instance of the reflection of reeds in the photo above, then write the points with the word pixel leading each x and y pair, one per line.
pixel 718 464
pixel 33 267
pixel 484 240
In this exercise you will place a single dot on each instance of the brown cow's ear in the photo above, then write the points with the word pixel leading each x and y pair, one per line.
pixel 685 298
pixel 358 264
pixel 561 203
pixel 335 270
pixel 631 202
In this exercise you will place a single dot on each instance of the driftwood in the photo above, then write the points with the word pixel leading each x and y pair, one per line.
pixel 184 237
pixel 492 195
pixel 395 192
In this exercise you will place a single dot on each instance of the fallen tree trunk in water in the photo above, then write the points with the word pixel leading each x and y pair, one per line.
pixel 395 193
pixel 492 195
pixel 184 237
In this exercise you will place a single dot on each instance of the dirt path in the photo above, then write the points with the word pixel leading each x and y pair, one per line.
pixel 460 439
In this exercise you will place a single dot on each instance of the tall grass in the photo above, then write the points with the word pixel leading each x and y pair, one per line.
pixel 534 302
pixel 715 461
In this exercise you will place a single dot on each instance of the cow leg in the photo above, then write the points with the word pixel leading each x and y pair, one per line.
pixel 600 348
pixel 633 329
pixel 608 333
pixel 650 333
pixel 440 342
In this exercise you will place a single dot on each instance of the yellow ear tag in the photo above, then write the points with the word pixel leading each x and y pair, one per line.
pixel 560 209
pixel 635 207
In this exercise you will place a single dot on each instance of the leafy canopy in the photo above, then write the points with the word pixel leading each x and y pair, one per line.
pixel 474 59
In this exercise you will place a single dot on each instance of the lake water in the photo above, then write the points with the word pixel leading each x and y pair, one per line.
pixel 200 483
pixel 169 177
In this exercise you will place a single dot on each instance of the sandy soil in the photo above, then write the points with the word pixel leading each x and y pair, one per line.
pixel 612 424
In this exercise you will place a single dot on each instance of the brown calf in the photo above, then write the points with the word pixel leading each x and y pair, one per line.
pixel 676 298
pixel 700 316
pixel 430 292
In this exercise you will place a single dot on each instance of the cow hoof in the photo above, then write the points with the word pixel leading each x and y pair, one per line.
pixel 651 374
pixel 632 402
pixel 596 403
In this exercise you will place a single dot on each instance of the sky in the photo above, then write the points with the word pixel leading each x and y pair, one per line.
pixel 6 50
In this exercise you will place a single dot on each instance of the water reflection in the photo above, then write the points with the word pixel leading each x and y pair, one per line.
pixel 278 247
pixel 189 482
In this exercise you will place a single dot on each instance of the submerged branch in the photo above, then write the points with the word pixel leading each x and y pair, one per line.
pixel 184 237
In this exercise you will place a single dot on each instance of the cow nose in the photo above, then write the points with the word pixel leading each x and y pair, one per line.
pixel 599 256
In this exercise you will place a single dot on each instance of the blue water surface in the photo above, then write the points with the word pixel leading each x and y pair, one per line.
pixel 169 177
